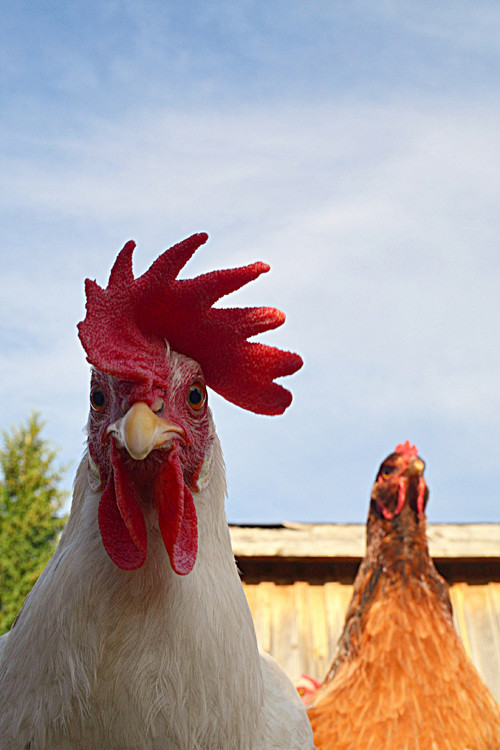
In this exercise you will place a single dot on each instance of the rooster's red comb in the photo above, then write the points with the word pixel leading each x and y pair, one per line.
pixel 127 323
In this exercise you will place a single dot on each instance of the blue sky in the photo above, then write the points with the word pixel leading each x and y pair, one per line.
pixel 353 146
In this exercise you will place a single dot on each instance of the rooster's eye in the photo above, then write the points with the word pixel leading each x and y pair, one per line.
pixel 97 398
pixel 197 395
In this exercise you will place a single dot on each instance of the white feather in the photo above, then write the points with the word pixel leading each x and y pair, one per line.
pixel 105 659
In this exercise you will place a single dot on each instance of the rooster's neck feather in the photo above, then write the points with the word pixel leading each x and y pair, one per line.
pixel 150 643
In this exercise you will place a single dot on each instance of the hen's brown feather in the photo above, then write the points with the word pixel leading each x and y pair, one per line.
pixel 400 677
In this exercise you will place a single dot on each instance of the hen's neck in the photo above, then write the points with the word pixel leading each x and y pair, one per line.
pixel 397 564
pixel 398 545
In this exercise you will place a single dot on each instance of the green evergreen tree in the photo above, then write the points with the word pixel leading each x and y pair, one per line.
pixel 29 502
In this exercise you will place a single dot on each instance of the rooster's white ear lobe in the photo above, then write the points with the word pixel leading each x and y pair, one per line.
pixel 94 475
pixel 206 469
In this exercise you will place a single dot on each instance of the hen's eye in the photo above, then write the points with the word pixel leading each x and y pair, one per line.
pixel 387 471
pixel 97 398
pixel 197 395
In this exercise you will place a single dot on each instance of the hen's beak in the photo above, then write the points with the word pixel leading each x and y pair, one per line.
pixel 141 430
pixel 417 466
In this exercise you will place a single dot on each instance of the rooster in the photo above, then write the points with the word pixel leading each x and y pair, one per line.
pixel 137 635
pixel 400 677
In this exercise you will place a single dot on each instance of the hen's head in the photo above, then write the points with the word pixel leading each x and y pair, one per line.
pixel 155 343
pixel 400 480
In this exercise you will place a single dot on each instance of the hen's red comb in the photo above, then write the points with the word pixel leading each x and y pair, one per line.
pixel 127 323
pixel 407 449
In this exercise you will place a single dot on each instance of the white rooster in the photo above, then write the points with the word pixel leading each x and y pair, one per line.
pixel 137 635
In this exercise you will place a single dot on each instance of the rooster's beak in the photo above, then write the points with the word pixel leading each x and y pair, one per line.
pixel 141 430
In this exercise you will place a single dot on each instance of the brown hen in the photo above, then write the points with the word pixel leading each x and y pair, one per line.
pixel 400 679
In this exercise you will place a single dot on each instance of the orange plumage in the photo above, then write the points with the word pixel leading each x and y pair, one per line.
pixel 400 678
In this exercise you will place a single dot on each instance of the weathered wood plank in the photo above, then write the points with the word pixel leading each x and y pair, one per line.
pixel 458 594
pixel 295 540
pixel 321 650
pixel 304 618
pixel 285 634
